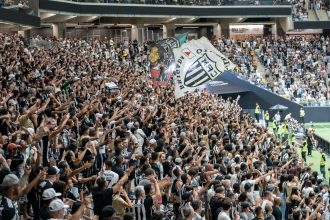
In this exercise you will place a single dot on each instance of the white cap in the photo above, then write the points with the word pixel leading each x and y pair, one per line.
pixel 57 205
pixel 130 124
pixel 11 76
pixel 173 125
pixel 50 194
pixel 152 141
pixel 10 180
pixel 178 160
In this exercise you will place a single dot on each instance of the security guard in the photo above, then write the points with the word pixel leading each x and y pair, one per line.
pixel 302 115
pixel 285 131
pixel 266 118
pixel 322 163
pixel 280 132
pixel 304 150
pixel 274 126
pixel 293 139
pixel 257 112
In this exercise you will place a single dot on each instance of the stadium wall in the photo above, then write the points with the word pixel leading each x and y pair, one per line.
pixel 17 17
pixel 266 99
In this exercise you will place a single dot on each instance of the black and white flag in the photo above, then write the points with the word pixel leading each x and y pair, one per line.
pixel 197 62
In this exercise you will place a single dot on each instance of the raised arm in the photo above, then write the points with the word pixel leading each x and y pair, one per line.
pixel 122 181
pixel 61 127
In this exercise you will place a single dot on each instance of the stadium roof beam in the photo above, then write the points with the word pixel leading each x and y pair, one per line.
pixel 58 18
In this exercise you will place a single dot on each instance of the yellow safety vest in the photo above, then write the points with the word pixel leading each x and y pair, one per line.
pixel 302 113
pixel 267 116
pixel 322 161
pixel 285 130
pixel 274 124
pixel 304 148
pixel 293 139
pixel 257 111
pixel 280 130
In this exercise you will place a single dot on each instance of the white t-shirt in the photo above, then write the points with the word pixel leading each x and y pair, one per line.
pixel 252 182
pixel 223 216
pixel 111 177
pixel 306 191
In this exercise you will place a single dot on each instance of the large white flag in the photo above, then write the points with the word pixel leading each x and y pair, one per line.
pixel 197 62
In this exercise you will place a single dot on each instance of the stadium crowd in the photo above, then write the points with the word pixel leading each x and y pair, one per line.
pixel 84 135
pixel 294 67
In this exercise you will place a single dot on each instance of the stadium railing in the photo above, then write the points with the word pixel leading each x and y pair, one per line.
pixel 191 2
pixel 322 144
pixel 18 6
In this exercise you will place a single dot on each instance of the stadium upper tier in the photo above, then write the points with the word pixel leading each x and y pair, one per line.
pixel 149 10
pixel 190 2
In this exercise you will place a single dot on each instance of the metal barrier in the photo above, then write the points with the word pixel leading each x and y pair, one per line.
pixel 322 143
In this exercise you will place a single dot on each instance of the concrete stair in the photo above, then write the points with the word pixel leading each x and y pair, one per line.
pixel 324 15
pixel 312 16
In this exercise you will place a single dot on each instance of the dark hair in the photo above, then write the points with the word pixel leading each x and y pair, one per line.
pixel 108 163
pixel 75 206
pixel 101 182
pixel 149 172
pixel 196 204
pixel 158 215
pixel 108 211
pixel 60 186
pixel 128 216
pixel 154 156
pixel 226 205
pixel 257 210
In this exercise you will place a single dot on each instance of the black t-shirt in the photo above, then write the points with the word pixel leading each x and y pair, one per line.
pixel 119 170
pixel 215 206
pixel 277 213
pixel 44 213
pixel 43 185
pixel 16 161
pixel 101 198
pixel 156 168
pixel 7 212
pixel 148 202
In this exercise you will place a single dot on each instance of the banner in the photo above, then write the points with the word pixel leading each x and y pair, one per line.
pixel 197 62
pixel 253 29
pixel 162 63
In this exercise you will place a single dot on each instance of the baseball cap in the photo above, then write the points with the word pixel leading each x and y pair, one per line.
pixel 130 125
pixel 183 134
pixel 178 160
pixel 10 180
pixel 50 194
pixel 173 125
pixel 52 171
pixel 270 187
pixel 11 146
pixel 11 76
pixel 144 182
pixel 213 137
pixel 57 205
pixel 152 141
